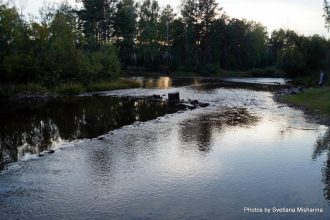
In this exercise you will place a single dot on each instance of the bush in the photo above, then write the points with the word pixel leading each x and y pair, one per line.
pixel 102 64
pixel 110 63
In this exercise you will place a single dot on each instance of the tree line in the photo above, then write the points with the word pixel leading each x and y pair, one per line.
pixel 103 37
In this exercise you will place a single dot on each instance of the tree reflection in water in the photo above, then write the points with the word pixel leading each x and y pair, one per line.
pixel 199 132
pixel 322 146
pixel 34 127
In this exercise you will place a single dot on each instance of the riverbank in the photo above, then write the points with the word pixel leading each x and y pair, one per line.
pixel 207 71
pixel 35 90
pixel 315 102
pixel 214 71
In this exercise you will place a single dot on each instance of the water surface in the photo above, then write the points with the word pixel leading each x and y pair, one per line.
pixel 245 150
pixel 34 127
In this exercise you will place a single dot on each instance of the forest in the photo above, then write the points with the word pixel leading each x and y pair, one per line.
pixel 105 38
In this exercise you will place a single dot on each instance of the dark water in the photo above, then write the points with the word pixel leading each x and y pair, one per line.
pixel 244 151
pixel 32 127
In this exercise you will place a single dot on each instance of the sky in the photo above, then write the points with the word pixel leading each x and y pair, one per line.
pixel 303 16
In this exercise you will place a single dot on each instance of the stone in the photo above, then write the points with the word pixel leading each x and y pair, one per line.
pixel 174 97
pixel 203 105
pixel 194 102
pixel 157 97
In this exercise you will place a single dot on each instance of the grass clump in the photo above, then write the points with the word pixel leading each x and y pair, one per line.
pixel 112 85
pixel 216 71
pixel 32 88
pixel 72 88
pixel 69 89
pixel 313 99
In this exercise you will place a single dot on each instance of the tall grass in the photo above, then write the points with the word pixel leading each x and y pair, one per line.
pixel 66 88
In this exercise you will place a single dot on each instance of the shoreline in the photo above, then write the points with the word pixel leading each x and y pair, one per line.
pixel 38 92
pixel 311 114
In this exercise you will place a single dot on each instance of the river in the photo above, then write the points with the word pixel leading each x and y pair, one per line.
pixel 117 156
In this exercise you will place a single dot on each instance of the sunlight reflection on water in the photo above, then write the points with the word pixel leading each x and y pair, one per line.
pixel 206 164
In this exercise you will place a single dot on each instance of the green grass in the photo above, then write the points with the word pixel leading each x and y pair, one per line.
pixel 312 99
pixel 69 89
pixel 112 85
pixel 65 88
pixel 184 74
pixel 257 72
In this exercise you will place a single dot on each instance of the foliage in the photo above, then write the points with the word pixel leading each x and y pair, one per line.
pixel 299 55
pixel 125 29
pixel 291 61
pixel 52 51
pixel 92 43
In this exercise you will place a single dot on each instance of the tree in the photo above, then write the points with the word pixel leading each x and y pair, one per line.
pixel 326 15
pixel 291 60
pixel 62 58
pixel 207 12
pixel 178 48
pixel 166 37
pixel 97 19
pixel 52 50
pixel 258 45
pixel 217 40
pixel 148 36
pixel 189 15
pixel 14 46
pixel 198 16
pixel 276 42
pixel 125 28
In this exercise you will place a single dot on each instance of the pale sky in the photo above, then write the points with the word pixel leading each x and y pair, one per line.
pixel 303 16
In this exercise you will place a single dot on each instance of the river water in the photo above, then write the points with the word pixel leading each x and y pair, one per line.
pixel 153 161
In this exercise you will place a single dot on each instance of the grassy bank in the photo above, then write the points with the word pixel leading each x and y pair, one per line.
pixel 313 99
pixel 213 71
pixel 7 91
